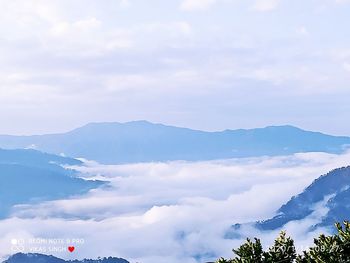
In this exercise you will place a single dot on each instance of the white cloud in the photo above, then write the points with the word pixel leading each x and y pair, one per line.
pixel 192 5
pixel 346 66
pixel 125 3
pixel 302 31
pixel 342 1
pixel 173 212
pixel 60 28
pixel 87 24
pixel 266 5
pixel 69 52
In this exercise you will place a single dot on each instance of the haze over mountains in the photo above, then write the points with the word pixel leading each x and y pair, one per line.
pixel 332 188
pixel 31 176
pixel 50 192
pixel 142 141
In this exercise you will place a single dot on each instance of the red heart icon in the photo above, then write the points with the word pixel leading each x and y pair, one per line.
pixel 71 249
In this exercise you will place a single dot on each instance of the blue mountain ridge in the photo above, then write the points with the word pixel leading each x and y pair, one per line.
pixel 142 141
pixel 335 183
pixel 39 258
pixel 28 176
pixel 333 188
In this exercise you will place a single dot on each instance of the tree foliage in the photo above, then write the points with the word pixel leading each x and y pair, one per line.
pixel 326 249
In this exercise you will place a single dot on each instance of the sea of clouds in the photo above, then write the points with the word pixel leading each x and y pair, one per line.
pixel 175 211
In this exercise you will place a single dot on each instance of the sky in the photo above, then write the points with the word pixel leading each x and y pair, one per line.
pixel 204 64
pixel 172 212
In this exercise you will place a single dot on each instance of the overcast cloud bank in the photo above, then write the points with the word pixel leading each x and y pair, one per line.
pixel 192 63
pixel 176 211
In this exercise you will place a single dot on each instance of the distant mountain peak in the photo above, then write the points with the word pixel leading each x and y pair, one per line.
pixel 286 126
pixel 101 125
pixel 144 141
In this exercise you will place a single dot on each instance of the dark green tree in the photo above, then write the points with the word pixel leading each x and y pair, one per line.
pixel 334 248
pixel 327 249
pixel 283 250
pixel 250 251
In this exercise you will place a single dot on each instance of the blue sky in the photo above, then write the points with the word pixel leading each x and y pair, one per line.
pixel 205 64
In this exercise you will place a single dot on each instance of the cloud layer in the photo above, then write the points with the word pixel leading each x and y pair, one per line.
pixel 172 212
pixel 200 64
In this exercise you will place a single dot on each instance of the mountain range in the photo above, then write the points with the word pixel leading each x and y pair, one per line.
pixel 330 191
pixel 142 141
pixel 28 176
pixel 39 258
pixel 333 189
